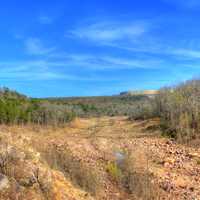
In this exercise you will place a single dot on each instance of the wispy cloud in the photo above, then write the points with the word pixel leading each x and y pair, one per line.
pixel 187 4
pixel 27 70
pixel 109 31
pixel 45 19
pixel 34 46
pixel 139 36
pixel 159 48
pixel 45 70
pixel 186 53
pixel 110 62
pixel 91 66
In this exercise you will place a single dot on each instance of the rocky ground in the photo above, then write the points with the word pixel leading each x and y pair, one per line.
pixel 108 158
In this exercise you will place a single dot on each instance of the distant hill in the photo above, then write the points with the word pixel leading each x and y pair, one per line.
pixel 149 93
pixel 10 94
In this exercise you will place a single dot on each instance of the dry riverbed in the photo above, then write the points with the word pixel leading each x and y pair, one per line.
pixel 108 158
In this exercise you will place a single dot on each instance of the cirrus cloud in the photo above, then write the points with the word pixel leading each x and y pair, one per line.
pixel 109 31
pixel 34 46
pixel 186 4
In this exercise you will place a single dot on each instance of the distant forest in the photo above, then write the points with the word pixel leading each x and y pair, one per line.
pixel 16 108
pixel 178 109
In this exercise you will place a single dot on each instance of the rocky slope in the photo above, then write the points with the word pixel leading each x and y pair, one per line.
pixel 149 93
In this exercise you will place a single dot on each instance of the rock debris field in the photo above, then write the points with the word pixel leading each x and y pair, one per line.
pixel 108 158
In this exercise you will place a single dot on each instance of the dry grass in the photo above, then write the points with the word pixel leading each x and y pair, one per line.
pixel 22 172
pixel 78 172
pixel 114 171
pixel 136 178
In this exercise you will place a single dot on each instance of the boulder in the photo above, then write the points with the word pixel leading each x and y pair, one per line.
pixel 4 182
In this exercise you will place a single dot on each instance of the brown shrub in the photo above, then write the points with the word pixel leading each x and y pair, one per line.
pixel 78 172
pixel 136 179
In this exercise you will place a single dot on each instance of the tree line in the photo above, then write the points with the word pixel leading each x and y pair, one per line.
pixel 19 109
pixel 101 105
pixel 16 108
pixel 178 108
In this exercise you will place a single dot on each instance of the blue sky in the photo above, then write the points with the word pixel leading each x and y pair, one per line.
pixel 97 47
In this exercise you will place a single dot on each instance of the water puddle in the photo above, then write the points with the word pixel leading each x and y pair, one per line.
pixel 119 157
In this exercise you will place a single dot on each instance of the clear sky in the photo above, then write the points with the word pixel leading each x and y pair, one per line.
pixel 97 47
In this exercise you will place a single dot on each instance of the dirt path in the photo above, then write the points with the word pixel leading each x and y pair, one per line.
pixel 158 168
